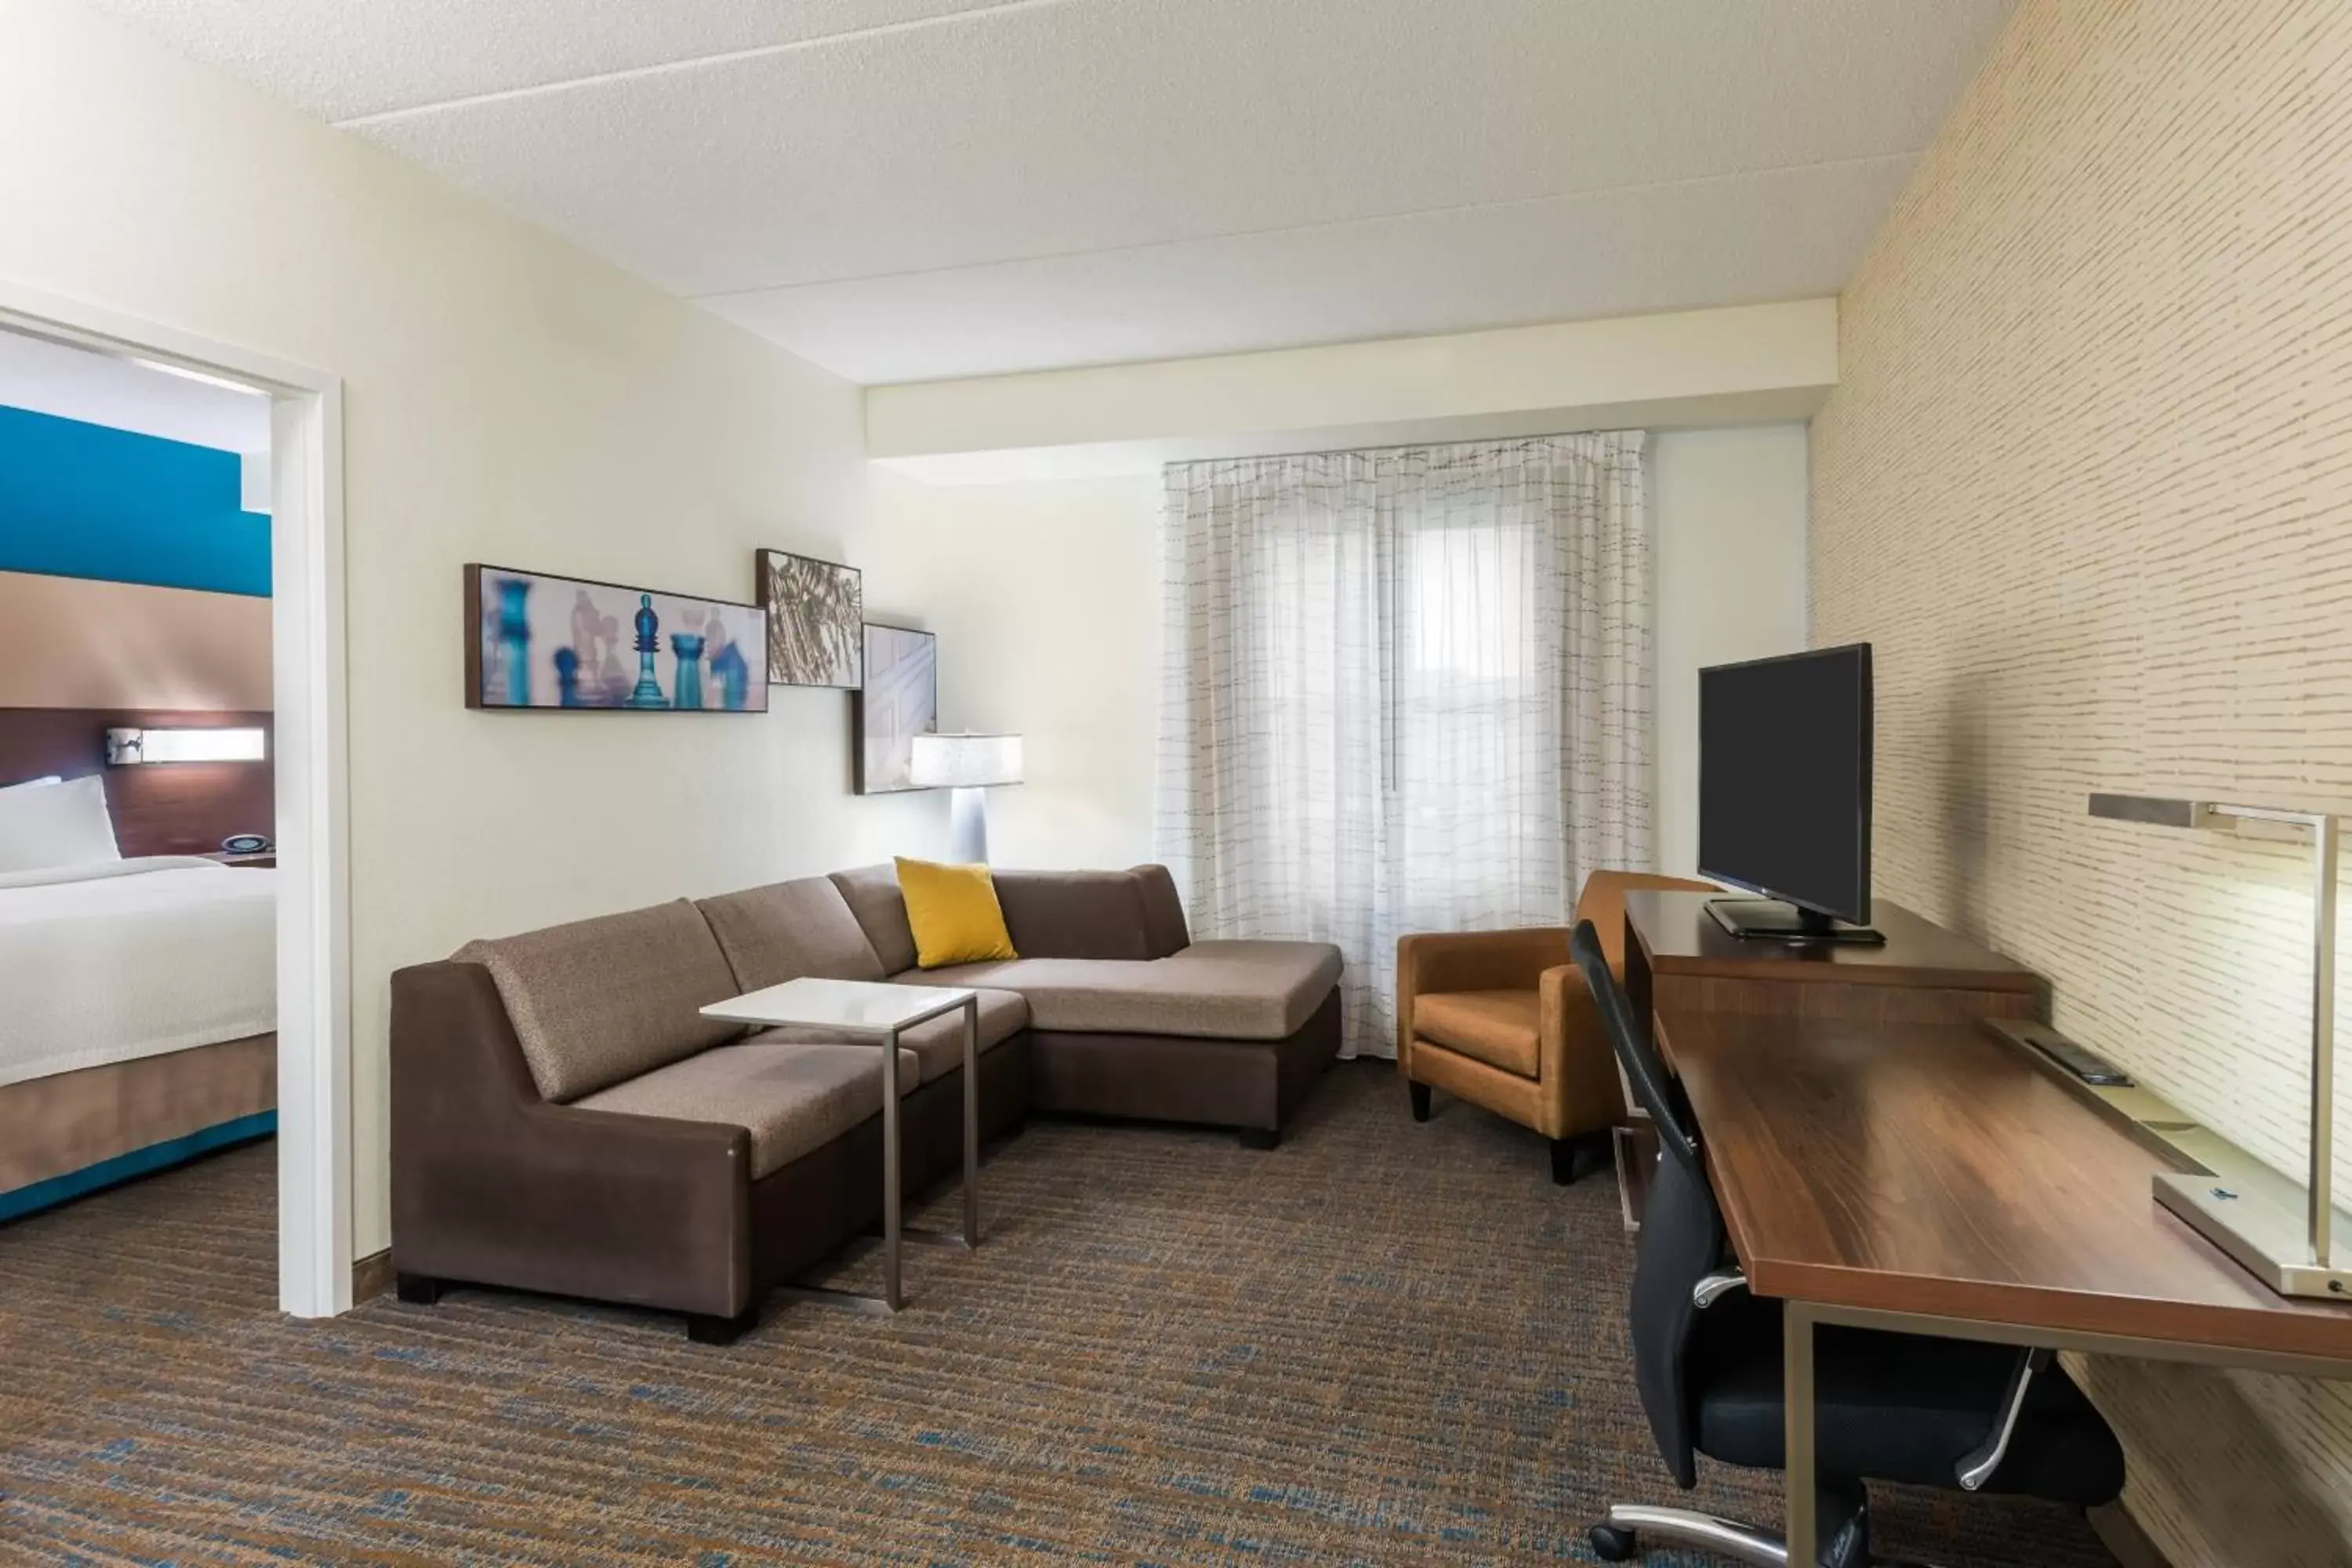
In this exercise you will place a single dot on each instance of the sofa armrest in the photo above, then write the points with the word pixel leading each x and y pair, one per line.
pixel 492 1184
pixel 1471 960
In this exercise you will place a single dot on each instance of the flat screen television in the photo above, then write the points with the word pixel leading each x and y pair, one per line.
pixel 1784 756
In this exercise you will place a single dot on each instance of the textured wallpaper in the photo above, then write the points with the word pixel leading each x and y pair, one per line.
pixel 2086 483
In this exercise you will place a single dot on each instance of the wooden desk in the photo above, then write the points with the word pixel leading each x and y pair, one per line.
pixel 1926 1177
pixel 1676 956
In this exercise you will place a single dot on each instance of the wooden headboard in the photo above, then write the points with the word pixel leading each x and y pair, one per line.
pixel 159 808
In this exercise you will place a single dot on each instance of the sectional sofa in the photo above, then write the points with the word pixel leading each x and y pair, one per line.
pixel 564 1120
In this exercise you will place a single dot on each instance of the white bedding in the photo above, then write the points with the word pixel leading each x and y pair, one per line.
pixel 122 959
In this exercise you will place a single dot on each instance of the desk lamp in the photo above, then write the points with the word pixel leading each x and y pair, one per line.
pixel 2258 1233
pixel 968 764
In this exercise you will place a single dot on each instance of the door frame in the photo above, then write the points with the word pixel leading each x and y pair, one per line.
pixel 315 1229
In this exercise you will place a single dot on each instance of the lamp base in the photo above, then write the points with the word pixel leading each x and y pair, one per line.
pixel 2269 1241
pixel 968 826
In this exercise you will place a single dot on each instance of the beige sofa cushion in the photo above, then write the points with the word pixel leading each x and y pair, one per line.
pixel 598 1001
pixel 873 896
pixel 939 1042
pixel 791 1098
pixel 1243 990
pixel 788 930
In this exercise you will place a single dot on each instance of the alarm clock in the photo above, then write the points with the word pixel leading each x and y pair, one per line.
pixel 245 844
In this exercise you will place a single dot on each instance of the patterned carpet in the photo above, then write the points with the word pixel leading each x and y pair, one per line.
pixel 1381 1343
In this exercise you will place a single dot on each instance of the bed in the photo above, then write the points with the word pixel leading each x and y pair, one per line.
pixel 139 1024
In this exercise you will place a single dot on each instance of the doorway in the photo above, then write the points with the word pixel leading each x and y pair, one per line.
pixel 308 750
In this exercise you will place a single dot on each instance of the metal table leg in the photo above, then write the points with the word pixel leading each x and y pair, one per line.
pixel 969 1236
pixel 1797 1399
pixel 892 1243
pixel 972 1121
pixel 894 1235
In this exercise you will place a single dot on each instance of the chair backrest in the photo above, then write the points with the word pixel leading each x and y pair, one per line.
pixel 1682 1237
pixel 1602 902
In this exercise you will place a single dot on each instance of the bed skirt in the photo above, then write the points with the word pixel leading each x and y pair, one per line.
pixel 75 1132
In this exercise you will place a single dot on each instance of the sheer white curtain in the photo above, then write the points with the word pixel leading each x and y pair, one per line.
pixel 1404 690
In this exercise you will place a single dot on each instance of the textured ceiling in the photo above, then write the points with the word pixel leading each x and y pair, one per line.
pixel 907 189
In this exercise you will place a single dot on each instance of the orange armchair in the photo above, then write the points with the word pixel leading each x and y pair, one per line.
pixel 1503 1020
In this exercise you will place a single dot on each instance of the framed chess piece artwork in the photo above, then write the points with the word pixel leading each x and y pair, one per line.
pixel 536 641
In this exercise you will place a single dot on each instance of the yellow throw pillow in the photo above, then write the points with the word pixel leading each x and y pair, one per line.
pixel 955 914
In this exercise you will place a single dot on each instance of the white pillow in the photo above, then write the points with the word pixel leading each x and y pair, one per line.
pixel 29 783
pixel 61 824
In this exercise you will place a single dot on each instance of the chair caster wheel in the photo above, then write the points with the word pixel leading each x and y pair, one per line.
pixel 1611 1544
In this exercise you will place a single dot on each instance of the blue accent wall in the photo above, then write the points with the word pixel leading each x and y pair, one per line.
pixel 83 500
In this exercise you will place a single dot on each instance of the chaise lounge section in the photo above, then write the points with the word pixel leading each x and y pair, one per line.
pixel 564 1120
pixel 1127 1015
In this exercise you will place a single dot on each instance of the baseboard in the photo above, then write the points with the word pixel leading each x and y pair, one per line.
pixel 372 1276
pixel 2124 1538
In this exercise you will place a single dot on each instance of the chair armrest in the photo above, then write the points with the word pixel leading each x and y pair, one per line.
pixel 1573 1052
pixel 1978 1466
pixel 1713 1288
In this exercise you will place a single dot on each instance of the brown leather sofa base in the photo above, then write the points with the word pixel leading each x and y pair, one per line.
pixel 1252 1085
pixel 498 1187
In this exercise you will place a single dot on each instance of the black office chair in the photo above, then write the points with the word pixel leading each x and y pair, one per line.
pixel 1707 1358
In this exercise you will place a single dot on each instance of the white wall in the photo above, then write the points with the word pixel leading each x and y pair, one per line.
pixel 1730 510
pixel 510 400
pixel 1045 596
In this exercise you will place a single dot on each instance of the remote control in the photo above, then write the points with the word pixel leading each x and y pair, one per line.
pixel 2078 1059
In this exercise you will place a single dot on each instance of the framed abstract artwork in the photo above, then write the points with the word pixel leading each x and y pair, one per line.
pixel 538 641
pixel 815 610
pixel 900 701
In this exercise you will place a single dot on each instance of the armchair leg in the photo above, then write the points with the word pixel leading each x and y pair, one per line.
pixel 1420 1093
pixel 421 1289
pixel 1579 1156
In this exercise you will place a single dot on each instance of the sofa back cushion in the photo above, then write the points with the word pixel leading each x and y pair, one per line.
pixel 872 894
pixel 1073 914
pixel 600 1001
pixel 788 930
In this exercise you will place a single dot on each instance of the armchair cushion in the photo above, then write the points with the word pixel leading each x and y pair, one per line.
pixel 1498 1028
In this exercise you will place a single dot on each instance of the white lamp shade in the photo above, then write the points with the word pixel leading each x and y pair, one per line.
pixel 964 761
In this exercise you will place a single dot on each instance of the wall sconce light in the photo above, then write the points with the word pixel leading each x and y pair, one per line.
pixel 2255 1232
pixel 125 748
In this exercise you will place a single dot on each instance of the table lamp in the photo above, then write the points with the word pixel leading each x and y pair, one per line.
pixel 2258 1233
pixel 968 764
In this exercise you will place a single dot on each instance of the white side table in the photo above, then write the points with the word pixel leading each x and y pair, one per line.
pixel 861 1011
